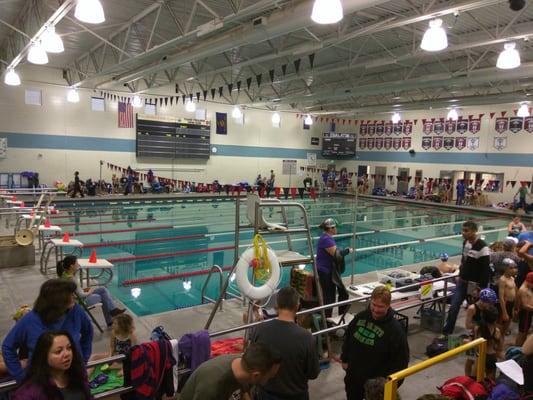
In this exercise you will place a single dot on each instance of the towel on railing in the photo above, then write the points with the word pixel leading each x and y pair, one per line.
pixel 150 370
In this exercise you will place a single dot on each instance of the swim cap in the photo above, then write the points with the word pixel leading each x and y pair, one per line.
pixel 488 296
pixel 444 256
pixel 328 223
pixel 509 261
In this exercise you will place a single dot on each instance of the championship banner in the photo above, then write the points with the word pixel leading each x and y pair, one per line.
pixel 380 128
pixel 448 143
pixel 379 143
pixel 462 125
pixel 370 143
pixel 438 126
pixel 371 129
pixel 450 126
pixel 472 143
pixel 362 143
pixel 388 128
pixel 406 143
pixel 427 126
pixel 474 124
pixel 363 128
pixel 460 143
pixel 500 143
pixel 426 143
pixel 528 124
pixel 501 124
pixel 407 127
pixel 437 142
pixel 397 128
pixel 387 143
pixel 516 124
pixel 396 143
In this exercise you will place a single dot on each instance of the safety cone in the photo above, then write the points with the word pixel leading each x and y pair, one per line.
pixel 66 237
pixel 13 198
pixel 22 205
pixel 47 223
pixel 92 257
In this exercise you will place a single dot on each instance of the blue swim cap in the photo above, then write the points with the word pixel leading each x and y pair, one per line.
pixel 488 296
pixel 444 256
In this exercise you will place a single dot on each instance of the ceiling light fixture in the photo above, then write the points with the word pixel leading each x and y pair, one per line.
pixel 523 111
pixel 327 11
pixel 52 42
pixel 90 11
pixel 12 78
pixel 452 115
pixel 236 113
pixel 396 117
pixel 308 120
pixel 435 38
pixel 190 106
pixel 73 96
pixel 136 102
pixel 509 58
pixel 276 118
pixel 37 54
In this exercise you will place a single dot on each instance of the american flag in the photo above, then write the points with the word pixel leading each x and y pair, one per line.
pixel 125 115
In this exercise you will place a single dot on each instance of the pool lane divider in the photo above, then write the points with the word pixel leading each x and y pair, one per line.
pixel 152 279
pixel 142 241
pixel 117 221
pixel 150 228
pixel 166 255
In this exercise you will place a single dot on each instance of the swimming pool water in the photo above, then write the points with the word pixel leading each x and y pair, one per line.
pixel 161 237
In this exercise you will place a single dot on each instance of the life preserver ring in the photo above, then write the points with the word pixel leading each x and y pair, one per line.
pixel 241 275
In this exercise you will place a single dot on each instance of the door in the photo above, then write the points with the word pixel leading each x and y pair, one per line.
pixel 403 180
pixel 381 174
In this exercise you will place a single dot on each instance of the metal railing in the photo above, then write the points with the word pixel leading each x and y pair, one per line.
pixel 391 387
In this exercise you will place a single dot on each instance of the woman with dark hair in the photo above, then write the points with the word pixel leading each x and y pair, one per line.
pixel 67 268
pixel 55 308
pixel 56 371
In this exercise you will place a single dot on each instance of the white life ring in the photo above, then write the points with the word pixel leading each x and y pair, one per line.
pixel 241 275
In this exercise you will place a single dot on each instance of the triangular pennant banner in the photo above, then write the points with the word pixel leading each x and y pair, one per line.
pixel 284 69
pixel 213 91
pixel 258 79
pixel 271 74
pixel 239 86
pixel 248 83
pixel 311 60
pixel 297 65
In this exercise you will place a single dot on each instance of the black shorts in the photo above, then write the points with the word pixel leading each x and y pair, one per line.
pixel 509 305
pixel 524 321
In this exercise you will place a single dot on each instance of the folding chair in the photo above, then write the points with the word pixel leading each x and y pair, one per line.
pixel 88 310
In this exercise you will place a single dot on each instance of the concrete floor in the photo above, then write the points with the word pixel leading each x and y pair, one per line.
pixel 19 286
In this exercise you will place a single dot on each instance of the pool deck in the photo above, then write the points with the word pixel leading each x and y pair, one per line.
pixel 19 286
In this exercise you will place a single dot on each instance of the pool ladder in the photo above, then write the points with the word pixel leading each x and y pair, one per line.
pixel 218 271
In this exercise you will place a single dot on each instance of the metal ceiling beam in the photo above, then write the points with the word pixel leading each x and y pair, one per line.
pixel 279 23
pixel 162 49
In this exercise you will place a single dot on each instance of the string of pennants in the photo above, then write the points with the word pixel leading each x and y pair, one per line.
pixel 143 176
pixel 327 120
pixel 522 183
pixel 248 83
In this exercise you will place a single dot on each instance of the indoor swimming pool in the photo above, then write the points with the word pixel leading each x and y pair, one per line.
pixel 183 238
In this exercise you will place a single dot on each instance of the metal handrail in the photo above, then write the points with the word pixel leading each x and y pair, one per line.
pixel 391 387
pixel 342 303
pixel 218 269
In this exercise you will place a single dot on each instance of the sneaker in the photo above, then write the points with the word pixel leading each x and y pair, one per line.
pixel 117 311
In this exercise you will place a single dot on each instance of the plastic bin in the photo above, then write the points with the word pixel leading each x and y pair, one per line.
pixel 432 320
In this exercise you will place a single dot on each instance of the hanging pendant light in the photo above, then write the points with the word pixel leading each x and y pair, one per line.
pixel 452 115
pixel 308 120
pixel 276 119
pixel 396 117
pixel 509 58
pixel 90 11
pixel 327 11
pixel 51 41
pixel 236 113
pixel 37 54
pixel 190 106
pixel 12 78
pixel 523 111
pixel 136 102
pixel 73 96
pixel 435 38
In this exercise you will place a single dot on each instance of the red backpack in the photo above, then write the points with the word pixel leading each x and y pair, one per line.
pixel 463 387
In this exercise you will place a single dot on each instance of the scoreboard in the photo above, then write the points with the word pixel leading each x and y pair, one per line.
pixel 338 145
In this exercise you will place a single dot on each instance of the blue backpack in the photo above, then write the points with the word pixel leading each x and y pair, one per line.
pixel 503 392
pixel 159 333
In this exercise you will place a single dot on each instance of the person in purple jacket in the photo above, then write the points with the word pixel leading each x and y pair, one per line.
pixel 57 371
pixel 328 259
pixel 54 309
